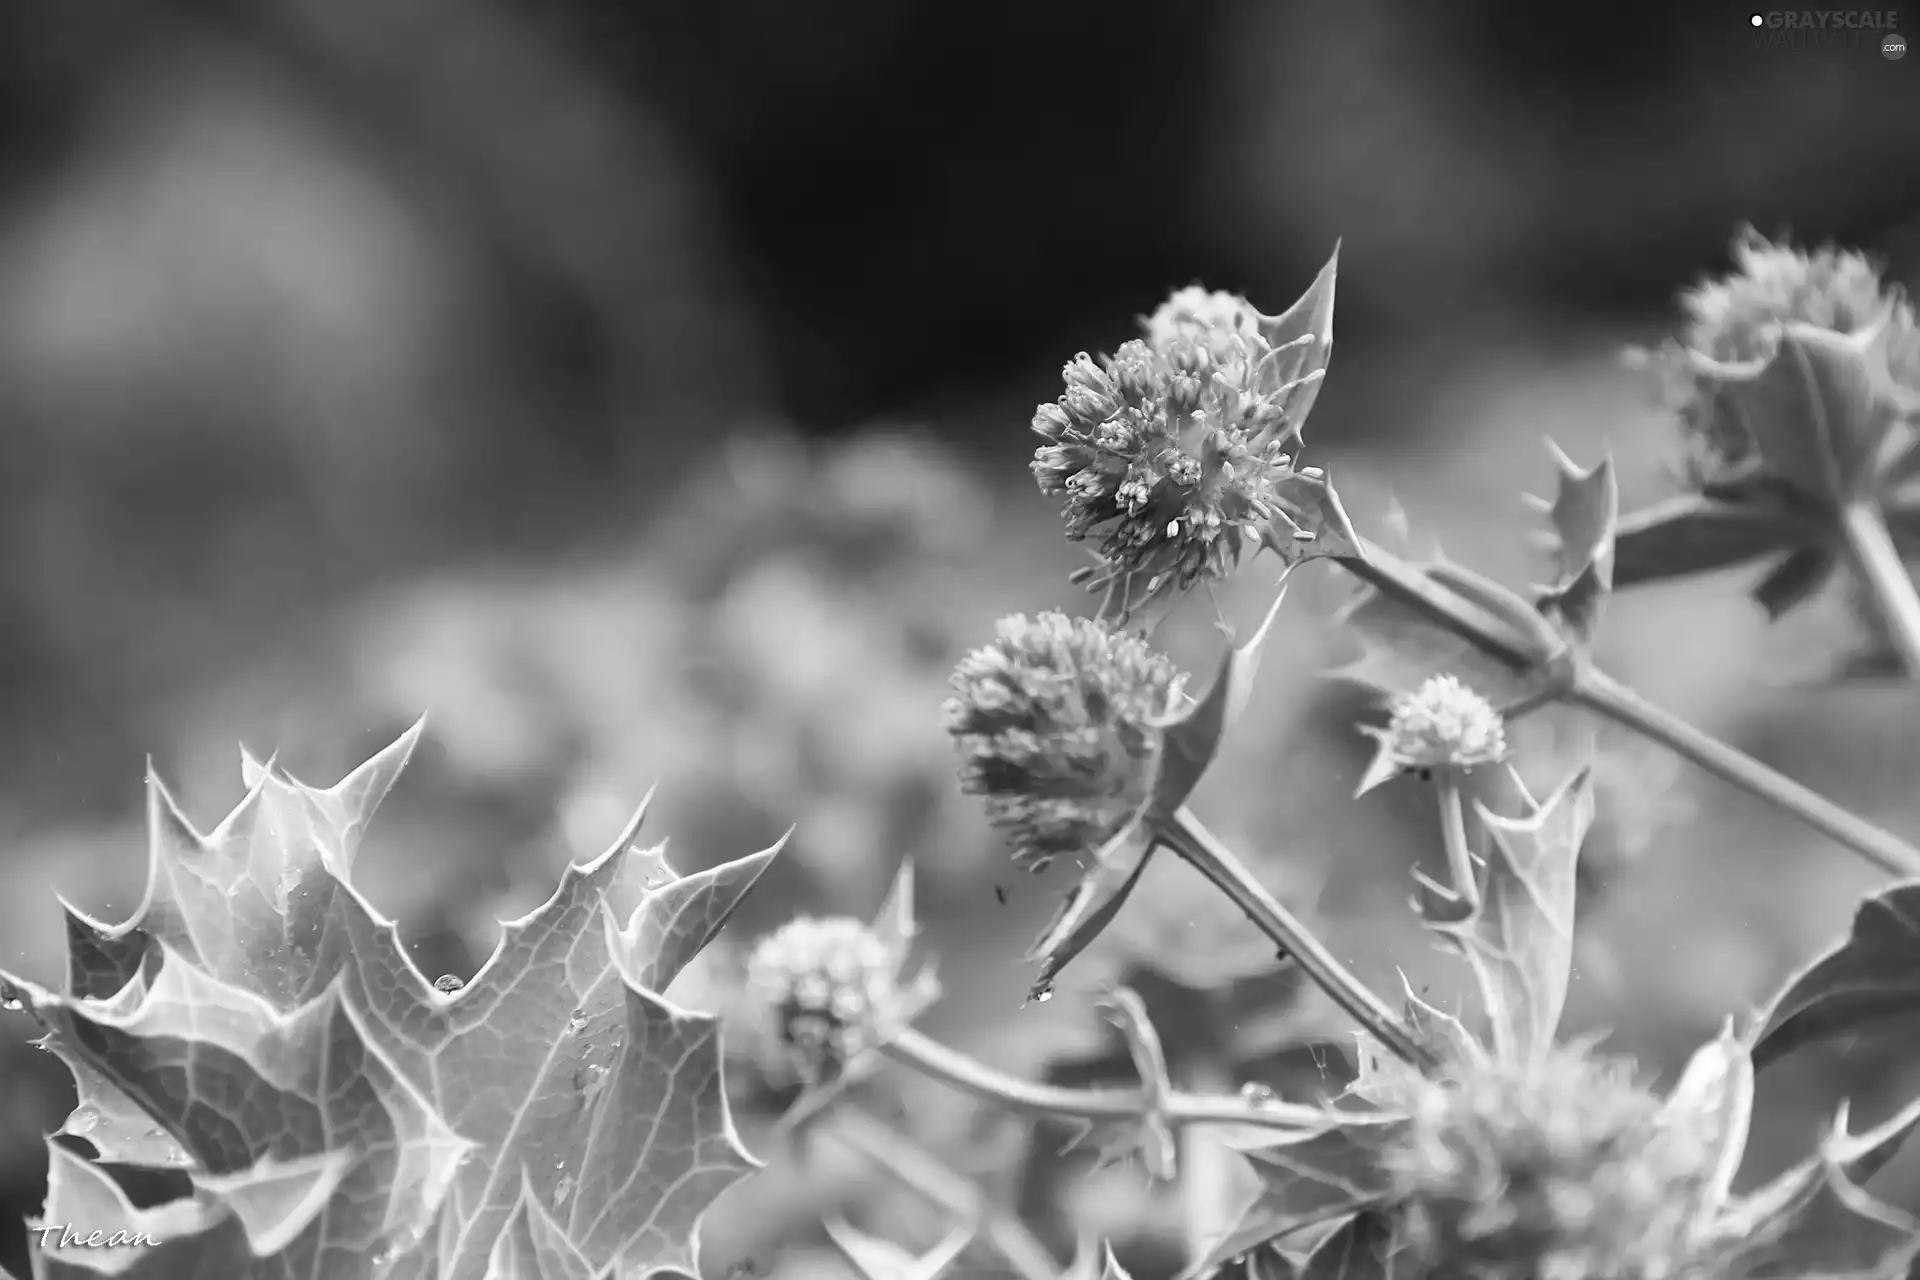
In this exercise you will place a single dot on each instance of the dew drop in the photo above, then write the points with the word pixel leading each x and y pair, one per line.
pixel 1042 995
pixel 448 982
pixel 85 1119
pixel 177 1156
pixel 10 999
pixel 577 1020
pixel 1258 1094
pixel 590 1080
pixel 562 1189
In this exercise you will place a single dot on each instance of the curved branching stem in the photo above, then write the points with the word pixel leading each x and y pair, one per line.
pixel 1204 851
pixel 1600 693
pixel 969 1075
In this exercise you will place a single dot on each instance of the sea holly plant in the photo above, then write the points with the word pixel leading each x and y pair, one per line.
pixel 257 1031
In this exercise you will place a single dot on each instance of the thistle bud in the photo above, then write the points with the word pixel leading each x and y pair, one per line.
pixel 1059 722
pixel 1444 724
pixel 828 985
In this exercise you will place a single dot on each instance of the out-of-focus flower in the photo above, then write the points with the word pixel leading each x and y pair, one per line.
pixel 1564 1170
pixel 1060 721
pixel 1169 451
pixel 829 986
pixel 1735 319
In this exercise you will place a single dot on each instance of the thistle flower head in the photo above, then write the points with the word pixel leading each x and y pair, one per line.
pixel 1205 317
pixel 1170 450
pixel 1443 724
pixel 1734 318
pixel 828 985
pixel 1059 719
pixel 1560 1170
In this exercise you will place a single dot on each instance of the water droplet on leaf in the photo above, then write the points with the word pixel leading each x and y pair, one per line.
pixel 85 1119
pixel 448 982
pixel 577 1019
pixel 1043 995
pixel 590 1080
pixel 562 1189
pixel 1258 1094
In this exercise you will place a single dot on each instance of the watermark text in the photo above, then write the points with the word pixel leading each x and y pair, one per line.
pixel 62 1235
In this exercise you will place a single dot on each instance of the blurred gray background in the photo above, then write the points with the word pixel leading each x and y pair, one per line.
pixel 642 390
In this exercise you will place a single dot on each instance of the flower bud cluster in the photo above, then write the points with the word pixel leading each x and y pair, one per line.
pixel 1169 450
pixel 1059 719
pixel 1444 724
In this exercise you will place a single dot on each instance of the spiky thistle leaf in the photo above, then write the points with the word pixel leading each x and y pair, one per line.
pixel 257 1008
pixel 1868 982
pixel 1815 1219
pixel 1520 941
pixel 1583 515
pixel 1308 1179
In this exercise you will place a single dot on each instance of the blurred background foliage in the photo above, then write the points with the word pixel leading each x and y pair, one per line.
pixel 641 389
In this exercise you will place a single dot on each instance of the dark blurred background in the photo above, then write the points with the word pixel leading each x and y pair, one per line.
pixel 642 388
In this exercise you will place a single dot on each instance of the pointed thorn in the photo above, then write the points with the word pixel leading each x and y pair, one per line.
pixel 629 838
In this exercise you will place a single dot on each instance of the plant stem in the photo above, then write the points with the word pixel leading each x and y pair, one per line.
pixel 1206 1170
pixel 1601 693
pixel 1885 575
pixel 951 1190
pixel 1203 850
pixel 1598 692
pixel 1453 835
pixel 969 1075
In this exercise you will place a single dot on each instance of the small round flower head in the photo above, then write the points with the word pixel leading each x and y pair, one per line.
pixel 1733 319
pixel 1169 450
pixel 1059 721
pixel 1563 1170
pixel 1444 724
pixel 1204 317
pixel 827 984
